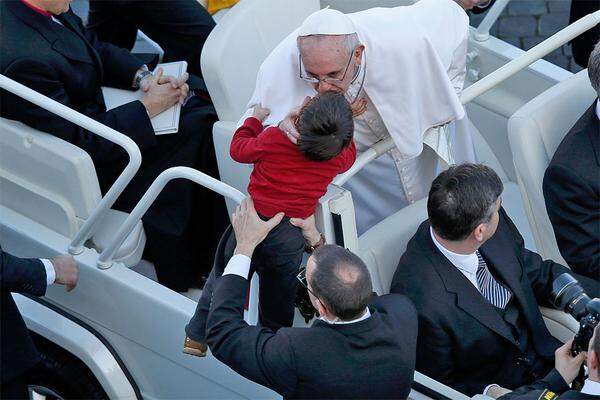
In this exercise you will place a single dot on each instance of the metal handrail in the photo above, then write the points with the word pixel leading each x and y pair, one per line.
pixel 485 84
pixel 105 259
pixel 133 151
pixel 530 56
pixel 483 30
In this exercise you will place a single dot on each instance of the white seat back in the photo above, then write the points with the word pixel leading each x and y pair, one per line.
pixel 45 178
pixel 534 132
pixel 238 45
pixel 54 183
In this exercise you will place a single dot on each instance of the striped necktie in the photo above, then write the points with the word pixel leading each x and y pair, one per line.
pixel 489 287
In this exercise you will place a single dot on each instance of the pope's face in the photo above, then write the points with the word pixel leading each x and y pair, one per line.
pixel 328 57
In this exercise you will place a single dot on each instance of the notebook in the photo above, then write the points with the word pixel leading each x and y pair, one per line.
pixel 164 123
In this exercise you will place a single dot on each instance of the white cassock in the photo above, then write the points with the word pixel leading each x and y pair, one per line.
pixel 413 70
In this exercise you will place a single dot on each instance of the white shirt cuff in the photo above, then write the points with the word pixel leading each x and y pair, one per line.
pixel 488 387
pixel 238 265
pixel 50 272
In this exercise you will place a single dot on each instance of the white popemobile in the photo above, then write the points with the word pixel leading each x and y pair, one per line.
pixel 119 333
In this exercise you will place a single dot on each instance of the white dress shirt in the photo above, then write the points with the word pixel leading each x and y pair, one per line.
pixel 50 272
pixel 467 264
pixel 598 108
pixel 239 265
pixel 591 387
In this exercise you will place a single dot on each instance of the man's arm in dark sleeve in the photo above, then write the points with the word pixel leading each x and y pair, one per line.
pixel 22 275
pixel 131 119
pixel 574 210
pixel 542 273
pixel 553 382
pixel 255 353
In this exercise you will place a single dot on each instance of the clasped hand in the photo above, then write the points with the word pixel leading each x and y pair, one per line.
pixel 163 91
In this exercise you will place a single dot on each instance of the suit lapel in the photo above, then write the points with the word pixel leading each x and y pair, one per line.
pixel 53 34
pixel 69 20
pixel 468 298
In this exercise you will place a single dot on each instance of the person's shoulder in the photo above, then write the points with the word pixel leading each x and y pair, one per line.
pixel 395 305
pixel 575 150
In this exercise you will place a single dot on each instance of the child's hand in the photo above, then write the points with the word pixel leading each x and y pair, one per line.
pixel 260 113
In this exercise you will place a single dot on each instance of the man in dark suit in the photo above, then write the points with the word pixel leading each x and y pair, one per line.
pixel 583 44
pixel 572 187
pixel 45 47
pixel 29 276
pixel 180 27
pixel 360 347
pixel 556 384
pixel 477 288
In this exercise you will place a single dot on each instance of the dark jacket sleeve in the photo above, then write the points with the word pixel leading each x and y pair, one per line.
pixel 575 215
pixel 542 273
pixel 130 119
pixel 22 275
pixel 118 63
pixel 553 382
pixel 255 353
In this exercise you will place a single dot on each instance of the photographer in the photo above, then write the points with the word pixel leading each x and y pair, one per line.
pixel 361 347
pixel 564 373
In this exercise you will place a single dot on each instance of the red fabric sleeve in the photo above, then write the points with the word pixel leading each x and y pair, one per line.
pixel 348 156
pixel 245 145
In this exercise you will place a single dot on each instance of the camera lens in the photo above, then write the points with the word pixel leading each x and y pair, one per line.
pixel 568 295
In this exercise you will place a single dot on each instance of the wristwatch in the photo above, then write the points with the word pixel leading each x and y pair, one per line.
pixel 140 75
pixel 311 248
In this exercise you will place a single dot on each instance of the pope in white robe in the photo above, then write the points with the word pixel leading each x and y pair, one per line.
pixel 404 73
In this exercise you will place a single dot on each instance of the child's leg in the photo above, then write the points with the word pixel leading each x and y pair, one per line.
pixel 196 328
pixel 280 256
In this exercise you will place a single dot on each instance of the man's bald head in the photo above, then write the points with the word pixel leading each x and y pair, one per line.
pixel 341 280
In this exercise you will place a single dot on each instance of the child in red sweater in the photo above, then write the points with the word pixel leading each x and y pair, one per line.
pixel 287 178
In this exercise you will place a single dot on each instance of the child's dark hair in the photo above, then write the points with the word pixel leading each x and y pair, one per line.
pixel 326 126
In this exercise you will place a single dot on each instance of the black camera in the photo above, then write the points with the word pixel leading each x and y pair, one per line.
pixel 568 295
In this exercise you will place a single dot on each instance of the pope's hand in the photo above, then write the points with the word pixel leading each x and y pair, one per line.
pixel 288 125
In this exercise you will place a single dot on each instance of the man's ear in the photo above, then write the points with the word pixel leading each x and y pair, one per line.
pixel 322 308
pixel 479 232
pixel 594 361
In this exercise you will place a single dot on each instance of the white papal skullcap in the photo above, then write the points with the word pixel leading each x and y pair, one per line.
pixel 327 22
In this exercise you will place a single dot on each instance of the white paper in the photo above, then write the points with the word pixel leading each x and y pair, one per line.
pixel 164 123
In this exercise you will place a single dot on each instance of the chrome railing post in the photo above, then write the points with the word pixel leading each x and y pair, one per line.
pixel 133 151
pixel 105 259
pixel 483 30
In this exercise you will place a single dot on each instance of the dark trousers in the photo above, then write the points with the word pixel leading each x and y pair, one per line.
pixel 15 389
pixel 180 27
pixel 184 224
pixel 277 261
